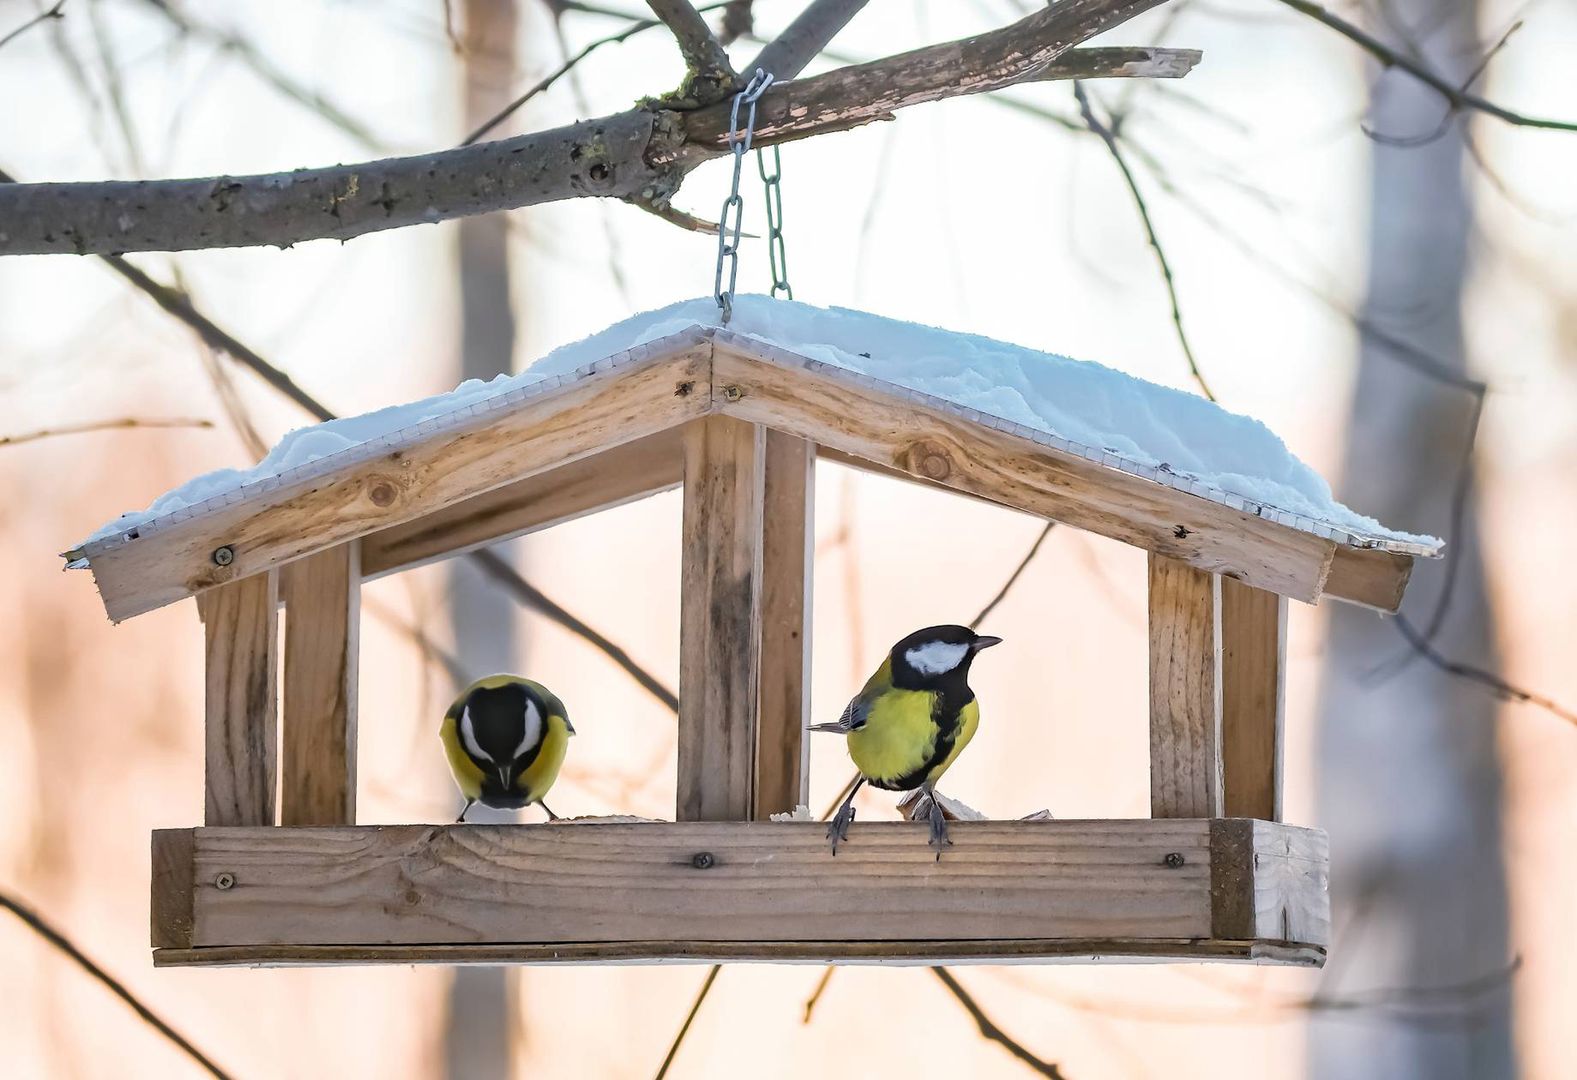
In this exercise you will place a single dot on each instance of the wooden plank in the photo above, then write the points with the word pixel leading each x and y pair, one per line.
pixel 885 953
pixel 322 640
pixel 1369 577
pixel 1253 661
pixel 241 670
pixel 596 412
pixel 599 482
pixel 1185 691
pixel 787 554
pixel 745 882
pixel 940 446
pixel 720 619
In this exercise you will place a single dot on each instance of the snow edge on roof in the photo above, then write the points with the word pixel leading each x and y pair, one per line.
pixel 108 538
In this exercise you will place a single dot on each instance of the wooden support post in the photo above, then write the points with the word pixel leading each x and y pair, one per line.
pixel 719 619
pixel 1185 691
pixel 1253 655
pixel 322 629
pixel 241 626
pixel 787 554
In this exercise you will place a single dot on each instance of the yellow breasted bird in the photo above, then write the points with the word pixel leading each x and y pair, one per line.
pixel 505 738
pixel 912 720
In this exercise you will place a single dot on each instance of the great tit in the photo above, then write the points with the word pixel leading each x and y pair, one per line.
pixel 912 720
pixel 505 738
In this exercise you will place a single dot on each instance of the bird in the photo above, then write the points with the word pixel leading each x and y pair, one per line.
pixel 912 720
pixel 505 737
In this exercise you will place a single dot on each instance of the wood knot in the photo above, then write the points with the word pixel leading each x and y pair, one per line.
pixel 383 493
pixel 683 389
pixel 929 460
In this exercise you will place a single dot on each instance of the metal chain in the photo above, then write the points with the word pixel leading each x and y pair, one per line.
pixel 732 217
pixel 777 253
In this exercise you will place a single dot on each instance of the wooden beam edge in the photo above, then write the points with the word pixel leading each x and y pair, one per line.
pixel 170 914
pixel 885 953
pixel 1369 577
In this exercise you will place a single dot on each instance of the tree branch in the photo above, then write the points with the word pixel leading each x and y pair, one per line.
pixel 786 55
pixel 36 923
pixel 1458 97
pixel 42 16
pixel 710 76
pixel 989 1029
pixel 104 425
pixel 1109 136
pixel 642 154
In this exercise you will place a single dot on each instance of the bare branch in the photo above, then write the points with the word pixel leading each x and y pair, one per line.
pixel 1500 687
pixel 1109 137
pixel 42 16
pixel 266 70
pixel 711 76
pixel 1018 571
pixel 640 153
pixel 1459 97
pixel 684 1029
pixel 36 923
pixel 989 1029
pixel 787 54
pixel 104 425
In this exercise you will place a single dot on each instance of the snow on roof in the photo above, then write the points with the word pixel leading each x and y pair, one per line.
pixel 1140 427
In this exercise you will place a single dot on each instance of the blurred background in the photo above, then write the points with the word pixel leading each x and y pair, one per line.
pixel 1353 263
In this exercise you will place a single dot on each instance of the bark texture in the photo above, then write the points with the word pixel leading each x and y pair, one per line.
pixel 643 153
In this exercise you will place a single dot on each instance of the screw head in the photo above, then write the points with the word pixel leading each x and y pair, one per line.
pixel 733 393
pixel 1175 859
pixel 702 860
pixel 224 556
pixel 224 880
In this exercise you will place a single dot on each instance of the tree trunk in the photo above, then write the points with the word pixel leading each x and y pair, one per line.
pixel 1409 781
pixel 478 1037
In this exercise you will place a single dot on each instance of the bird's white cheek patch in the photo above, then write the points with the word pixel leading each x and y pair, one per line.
pixel 936 657
pixel 533 729
pixel 468 737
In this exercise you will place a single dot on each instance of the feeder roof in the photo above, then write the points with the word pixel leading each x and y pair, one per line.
pixel 824 374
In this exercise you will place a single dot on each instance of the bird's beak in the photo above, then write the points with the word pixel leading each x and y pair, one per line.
pixel 569 726
pixel 503 776
pixel 985 641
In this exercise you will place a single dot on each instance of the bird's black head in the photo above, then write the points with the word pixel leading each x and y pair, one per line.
pixel 501 728
pixel 937 655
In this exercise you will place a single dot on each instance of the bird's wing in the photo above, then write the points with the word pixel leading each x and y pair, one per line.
pixel 853 719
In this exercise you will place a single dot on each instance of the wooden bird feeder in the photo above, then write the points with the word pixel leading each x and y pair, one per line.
pixel 1213 874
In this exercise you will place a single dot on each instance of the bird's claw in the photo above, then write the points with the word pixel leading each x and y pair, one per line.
pixel 939 838
pixel 838 828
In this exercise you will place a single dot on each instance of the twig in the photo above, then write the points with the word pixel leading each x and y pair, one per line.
pixel 815 995
pixel 36 923
pixel 974 624
pixel 268 72
pixel 105 425
pixel 710 75
pixel 559 72
pixel 42 16
pixel 787 54
pixel 533 598
pixel 1497 685
pixel 673 1051
pixel 989 1029
pixel 1108 137
pixel 1458 97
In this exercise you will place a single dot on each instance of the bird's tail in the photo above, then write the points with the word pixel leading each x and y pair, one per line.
pixel 837 728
